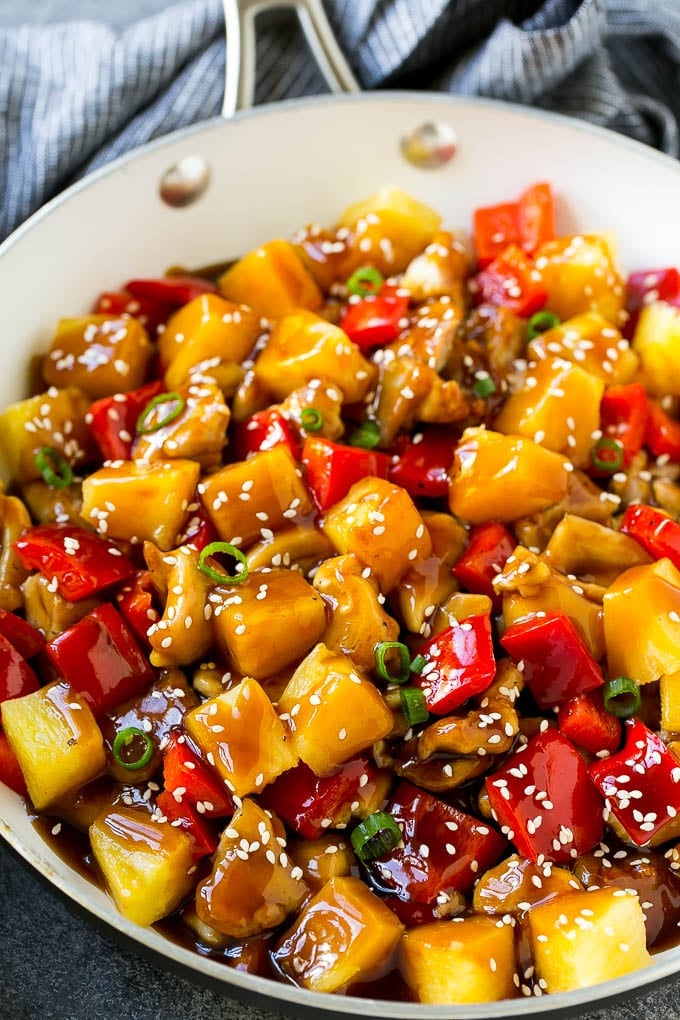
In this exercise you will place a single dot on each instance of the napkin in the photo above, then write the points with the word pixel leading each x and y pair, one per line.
pixel 76 94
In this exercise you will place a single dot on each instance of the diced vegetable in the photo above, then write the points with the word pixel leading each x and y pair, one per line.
pixel 26 639
pixel 516 884
pixel 459 663
pixel 657 341
pixel 586 723
pixel 580 275
pixel 10 769
pixel 343 934
pixel 98 353
pixel 513 280
pixel 56 740
pixel 147 864
pixel 624 416
pixel 262 431
pixel 375 321
pixel 271 280
pixel 331 469
pixel 113 420
pixel 387 230
pixel 16 676
pixel 79 563
pixel 663 433
pixel 190 780
pixel 422 467
pixel 528 223
pixel 488 548
pixel 654 530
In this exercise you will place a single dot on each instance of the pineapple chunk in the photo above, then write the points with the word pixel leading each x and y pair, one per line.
pixel 669 686
pixel 250 891
pixel 263 492
pixel 657 341
pixel 344 934
pixel 271 280
pixel 322 859
pixel 332 710
pixel 198 433
pixel 517 883
pixel 378 522
pixel 268 622
pixel 148 865
pixel 56 740
pixel 591 342
pixel 429 581
pixel 583 938
pixel 646 645
pixel 503 477
pixel 206 333
pixel 303 347
pixel 167 486
pixel 558 406
pixel 387 230
pixel 100 354
pixel 469 959
pixel 357 620
pixel 580 274
pixel 240 733
pixel 55 419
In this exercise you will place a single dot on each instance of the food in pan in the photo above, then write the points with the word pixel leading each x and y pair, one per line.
pixel 340 604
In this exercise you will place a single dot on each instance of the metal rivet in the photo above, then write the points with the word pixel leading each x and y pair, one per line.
pixel 184 182
pixel 430 145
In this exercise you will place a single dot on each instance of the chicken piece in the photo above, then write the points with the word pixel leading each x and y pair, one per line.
pixel 409 391
pixel 592 551
pixel 432 331
pixel 322 396
pixel 583 499
pixel 198 432
pixel 299 547
pixel 440 269
pixel 358 621
pixel 494 336
pixel 47 504
pixel 14 518
pixel 47 610
pixel 183 634
pixel 251 395
pixel 429 581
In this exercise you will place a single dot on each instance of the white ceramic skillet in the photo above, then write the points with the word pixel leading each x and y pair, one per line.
pixel 270 171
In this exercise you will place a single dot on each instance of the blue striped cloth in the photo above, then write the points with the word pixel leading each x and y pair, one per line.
pixel 76 94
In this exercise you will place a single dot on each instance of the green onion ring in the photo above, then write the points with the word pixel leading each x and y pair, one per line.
pixel 123 739
pixel 367 435
pixel 311 419
pixel 413 705
pixel 365 281
pixel 382 650
pixel 375 836
pixel 55 470
pixel 541 322
pixel 220 576
pixel 611 466
pixel 143 426
pixel 621 697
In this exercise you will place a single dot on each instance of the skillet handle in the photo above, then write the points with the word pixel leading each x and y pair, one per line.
pixel 240 15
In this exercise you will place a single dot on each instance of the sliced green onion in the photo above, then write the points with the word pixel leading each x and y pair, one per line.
pixel 367 435
pixel 133 748
pixel 385 649
pixel 312 419
pixel 221 576
pixel 418 664
pixel 413 705
pixel 145 423
pixel 541 322
pixel 621 697
pixel 56 471
pixel 484 387
pixel 375 836
pixel 365 281
pixel 600 458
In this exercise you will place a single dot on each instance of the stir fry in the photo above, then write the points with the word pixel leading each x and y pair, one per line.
pixel 340 604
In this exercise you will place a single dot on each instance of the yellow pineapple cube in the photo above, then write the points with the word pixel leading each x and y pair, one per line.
pixel 580 274
pixel 591 342
pixel 205 333
pixel 429 581
pixel 387 230
pixel 100 354
pixel 321 859
pixel 242 737
pixel 669 687
pixel 56 419
pixel 470 959
pixel 303 347
pixel 56 739
pixel 268 622
pixel 263 493
pixel 332 710
pixel 148 865
pixel 379 523
pixel 581 939
pixel 113 496
pixel 271 280
pixel 657 341
pixel 517 882
pixel 344 934
pixel 250 891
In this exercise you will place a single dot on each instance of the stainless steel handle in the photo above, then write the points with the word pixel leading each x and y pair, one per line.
pixel 239 17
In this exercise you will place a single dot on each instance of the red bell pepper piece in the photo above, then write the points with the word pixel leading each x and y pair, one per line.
pixel 374 321
pixel 528 223
pixel 459 663
pixel 557 663
pixel 658 534
pixel 113 420
pixel 663 433
pixel 308 804
pixel 80 562
pixel 185 817
pixel 101 659
pixel 443 850
pixel 16 676
pixel 262 431
pixel 586 722
pixel 191 781
pixel 421 464
pixel 26 639
pixel 536 217
pixel 10 769
pixel 135 602
pixel 545 800
pixel 624 415
pixel 641 783
pixel 171 290
pixel 490 545
pixel 199 530
pixel 512 281
pixel 331 469
pixel 646 286
pixel 151 314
